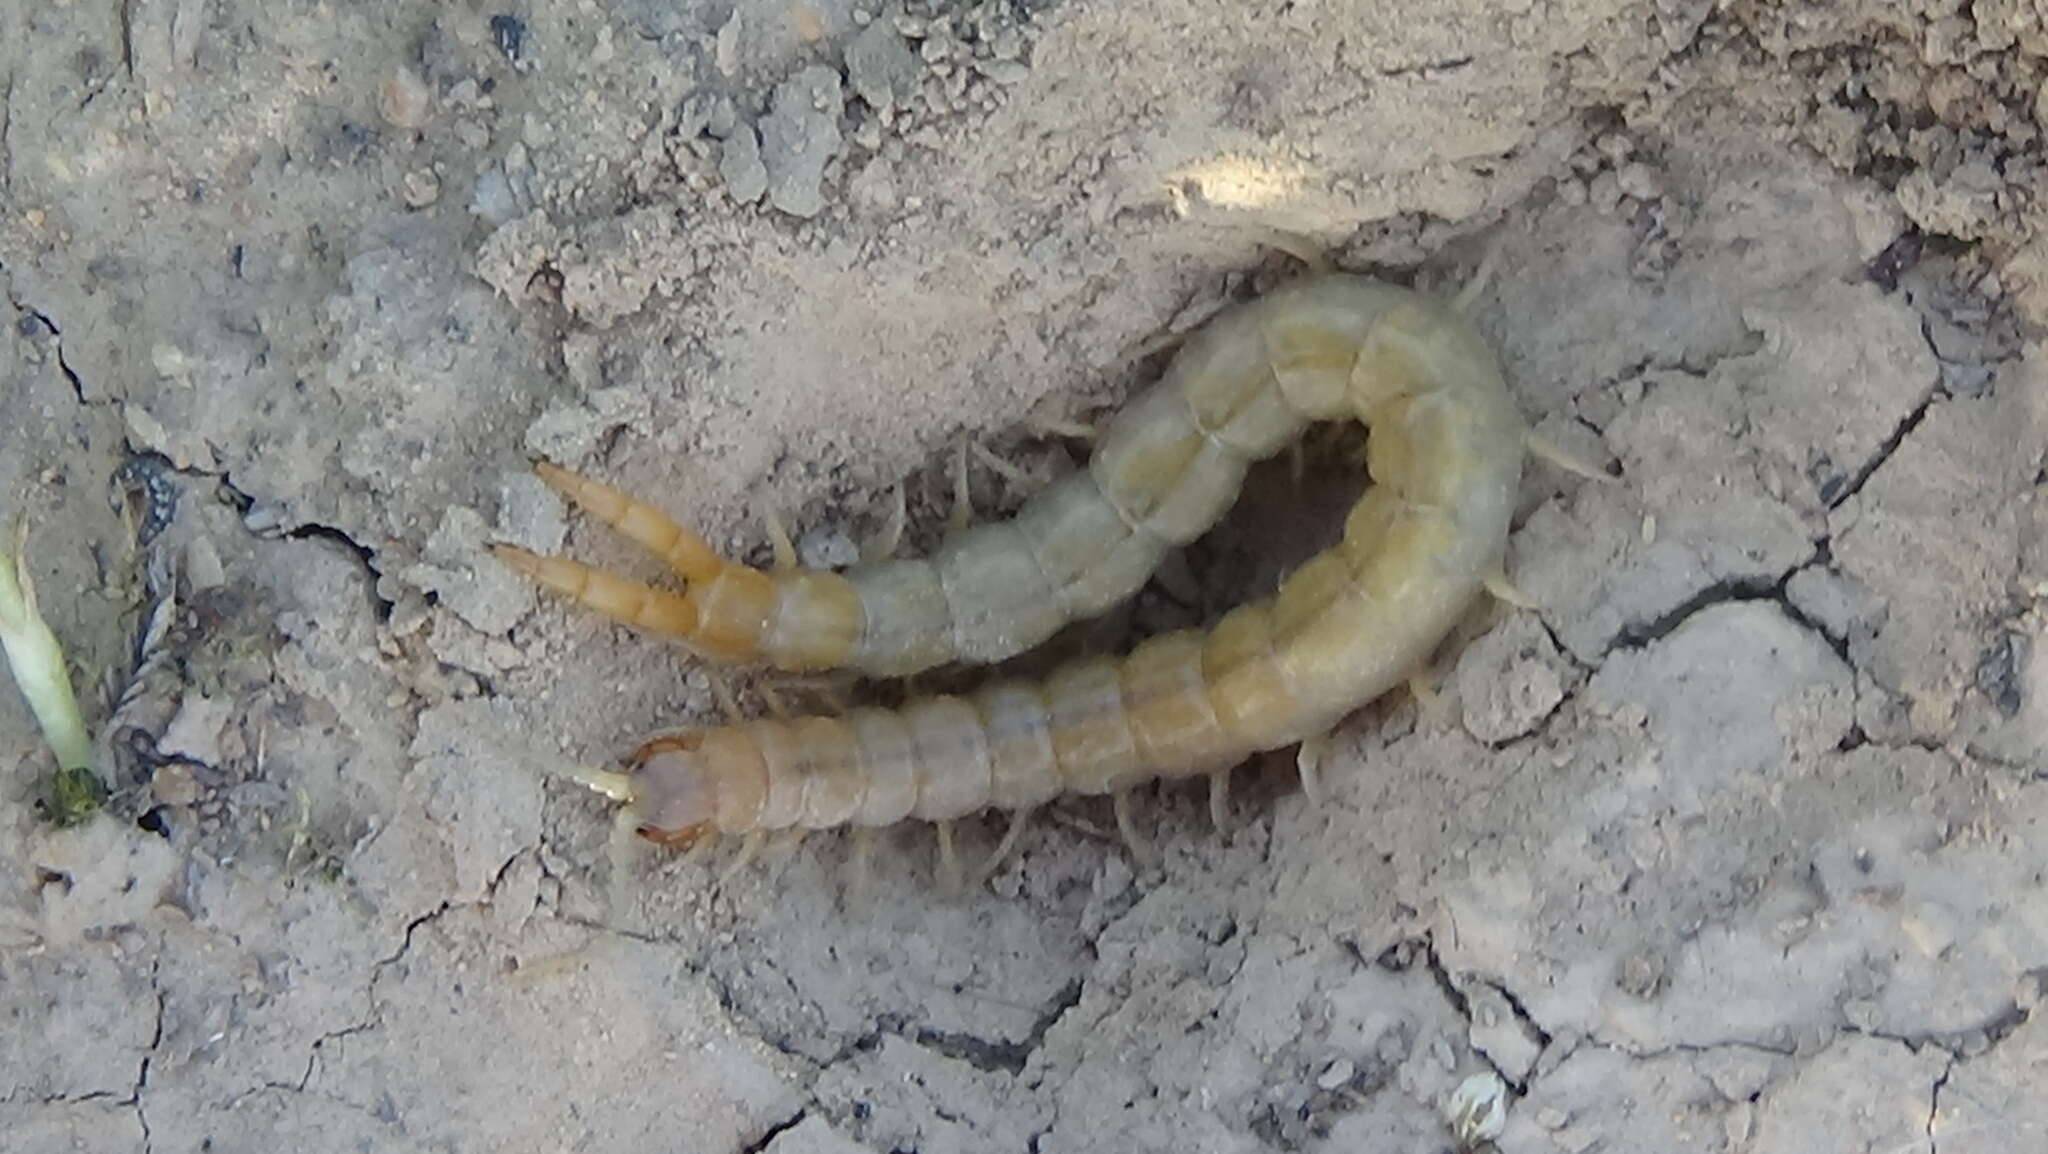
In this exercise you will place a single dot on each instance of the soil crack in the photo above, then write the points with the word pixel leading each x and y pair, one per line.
pixel 1934 1103
pixel 56 331
pixel 986 1055
pixel 770 1134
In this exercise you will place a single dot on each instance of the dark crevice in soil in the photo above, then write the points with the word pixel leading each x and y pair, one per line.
pixel 405 946
pixel 364 555
pixel 1840 645
pixel 6 134
pixel 1522 1013
pixel 1448 988
pixel 57 343
pixel 1643 633
pixel 1855 482
pixel 772 1132
pixel 1430 68
pixel 1901 255
pixel 1934 1104
pixel 983 1054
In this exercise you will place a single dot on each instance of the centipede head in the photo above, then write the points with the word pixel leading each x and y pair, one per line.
pixel 674 799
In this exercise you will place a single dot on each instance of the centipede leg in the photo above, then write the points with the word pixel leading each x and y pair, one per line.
pixel 1219 799
pixel 1062 427
pixel 1018 818
pixel 699 848
pixel 1506 591
pixel 1309 761
pixel 616 597
pixel 1153 346
pixel 883 544
pixel 861 870
pixel 1422 687
pixel 1481 277
pixel 963 500
pixel 778 539
pixel 621 848
pixel 1141 852
pixel 773 699
pixel 997 465
pixel 1305 249
pixel 1564 458
pixel 721 689
pixel 641 523
pixel 749 847
pixel 949 859
pixel 784 844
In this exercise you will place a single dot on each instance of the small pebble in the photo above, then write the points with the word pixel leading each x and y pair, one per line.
pixel 173 784
pixel 799 136
pixel 880 67
pixel 1638 180
pixel 509 32
pixel 746 178
pixel 1336 1074
pixel 1604 193
pixel 421 188
pixel 404 100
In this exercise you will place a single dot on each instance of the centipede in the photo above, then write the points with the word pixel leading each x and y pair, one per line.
pixel 1445 450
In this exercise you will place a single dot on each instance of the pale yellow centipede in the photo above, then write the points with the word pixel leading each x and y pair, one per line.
pixel 1445 451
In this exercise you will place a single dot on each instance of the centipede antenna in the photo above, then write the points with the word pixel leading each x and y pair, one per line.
pixel 613 785
pixel 1507 591
pixel 1549 450
pixel 1120 803
pixel 1018 818
pixel 1481 277
pixel 1219 799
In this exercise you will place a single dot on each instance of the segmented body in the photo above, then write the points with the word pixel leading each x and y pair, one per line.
pixel 1445 451
pixel 1162 474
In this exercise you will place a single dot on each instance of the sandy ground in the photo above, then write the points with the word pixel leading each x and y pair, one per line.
pixel 1737 843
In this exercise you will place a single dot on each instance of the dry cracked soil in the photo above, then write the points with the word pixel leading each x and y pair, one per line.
pixel 1735 842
